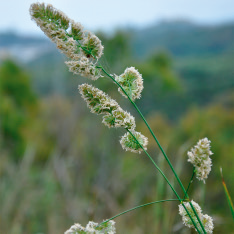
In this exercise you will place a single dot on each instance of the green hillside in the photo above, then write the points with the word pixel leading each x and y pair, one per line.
pixel 200 56
pixel 183 39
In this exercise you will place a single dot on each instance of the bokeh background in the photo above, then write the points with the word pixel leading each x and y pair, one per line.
pixel 60 165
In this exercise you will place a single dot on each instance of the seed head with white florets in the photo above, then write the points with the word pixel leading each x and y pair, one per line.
pixel 84 49
pixel 129 142
pixel 132 82
pixel 199 157
pixel 93 228
pixel 101 103
pixel 206 220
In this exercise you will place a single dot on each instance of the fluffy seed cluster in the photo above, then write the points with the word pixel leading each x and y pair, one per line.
pixel 206 220
pixel 199 157
pixel 82 67
pixel 91 228
pixel 101 103
pixel 84 49
pixel 129 142
pixel 93 44
pixel 119 118
pixel 132 82
pixel 113 116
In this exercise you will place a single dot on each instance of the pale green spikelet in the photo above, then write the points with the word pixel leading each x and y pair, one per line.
pixel 119 118
pixel 97 100
pixel 77 31
pixel 84 68
pixel 206 220
pixel 84 49
pixel 107 227
pixel 54 24
pixel 129 143
pixel 132 82
pixel 101 103
pixel 48 18
pixel 93 228
pixel 199 157
pixel 93 44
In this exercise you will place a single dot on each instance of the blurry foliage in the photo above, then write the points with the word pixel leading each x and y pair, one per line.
pixel 17 106
pixel 163 89
pixel 158 70
pixel 117 49
pixel 76 171
pixel 185 39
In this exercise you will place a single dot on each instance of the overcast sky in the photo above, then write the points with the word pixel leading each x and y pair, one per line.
pixel 109 14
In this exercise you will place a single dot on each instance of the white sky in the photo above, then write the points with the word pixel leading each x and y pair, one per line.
pixel 109 14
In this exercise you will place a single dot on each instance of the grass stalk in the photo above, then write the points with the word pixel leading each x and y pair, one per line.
pixel 164 176
pixel 230 203
pixel 134 208
pixel 160 147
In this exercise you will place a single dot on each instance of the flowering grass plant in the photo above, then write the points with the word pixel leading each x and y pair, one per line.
pixel 84 49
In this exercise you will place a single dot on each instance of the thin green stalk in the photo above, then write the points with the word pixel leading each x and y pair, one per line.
pixel 190 182
pixel 195 212
pixel 155 138
pixel 126 211
pixel 164 176
pixel 230 203
pixel 160 171
pixel 160 147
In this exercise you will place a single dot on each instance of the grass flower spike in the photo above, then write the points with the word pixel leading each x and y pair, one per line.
pixel 55 25
pixel 93 44
pixel 199 157
pixel 186 220
pixel 93 228
pixel 76 31
pixel 84 49
pixel 119 118
pixel 75 229
pixel 84 68
pixel 132 82
pixel 48 18
pixel 129 142
pixel 101 103
pixel 97 100
pixel 206 220
pixel 208 223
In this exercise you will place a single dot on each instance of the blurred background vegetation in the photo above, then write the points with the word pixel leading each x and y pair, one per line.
pixel 60 165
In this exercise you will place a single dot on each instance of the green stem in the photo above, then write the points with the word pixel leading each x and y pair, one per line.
pixel 160 171
pixel 155 138
pixel 160 147
pixel 126 211
pixel 230 203
pixel 190 182
pixel 199 220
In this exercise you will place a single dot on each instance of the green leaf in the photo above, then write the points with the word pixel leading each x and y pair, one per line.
pixel 230 203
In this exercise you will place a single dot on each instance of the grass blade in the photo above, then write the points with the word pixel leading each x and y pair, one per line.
pixel 230 203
